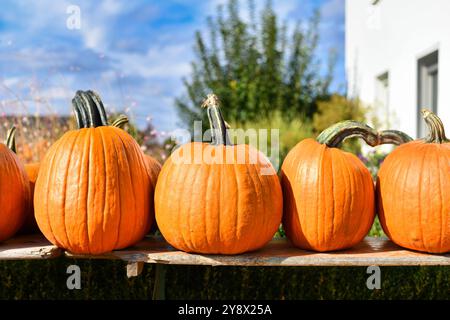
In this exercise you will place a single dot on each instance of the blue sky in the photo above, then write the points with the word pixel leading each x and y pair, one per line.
pixel 134 53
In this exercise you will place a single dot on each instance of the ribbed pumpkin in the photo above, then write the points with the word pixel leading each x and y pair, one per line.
pixel 32 169
pixel 153 169
pixel 229 205
pixel 328 194
pixel 152 165
pixel 92 191
pixel 413 190
pixel 14 189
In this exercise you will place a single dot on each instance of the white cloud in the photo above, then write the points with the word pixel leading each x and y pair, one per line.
pixel 332 9
pixel 56 93
pixel 285 8
pixel 112 7
pixel 161 61
pixel 94 37
pixel 97 17
pixel 11 81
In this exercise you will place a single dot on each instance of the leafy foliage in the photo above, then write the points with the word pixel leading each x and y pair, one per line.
pixel 290 132
pixel 295 129
pixel 376 230
pixel 336 109
pixel 107 280
pixel 373 160
pixel 255 67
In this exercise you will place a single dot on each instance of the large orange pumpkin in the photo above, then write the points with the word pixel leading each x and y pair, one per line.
pixel 413 190
pixel 14 189
pixel 328 193
pixel 92 191
pixel 217 198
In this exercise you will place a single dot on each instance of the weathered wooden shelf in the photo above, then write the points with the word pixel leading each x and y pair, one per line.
pixel 28 247
pixel 279 252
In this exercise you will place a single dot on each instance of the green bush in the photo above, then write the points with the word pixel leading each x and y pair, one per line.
pixel 376 230
pixel 290 133
pixel 373 160
pixel 106 279
pixel 294 130
pixel 336 109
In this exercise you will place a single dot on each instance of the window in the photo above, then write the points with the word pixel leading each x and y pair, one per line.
pixel 382 97
pixel 427 71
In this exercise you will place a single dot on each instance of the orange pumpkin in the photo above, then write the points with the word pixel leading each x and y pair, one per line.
pixel 153 169
pixel 92 191
pixel 32 169
pixel 30 225
pixel 413 190
pixel 152 165
pixel 217 198
pixel 14 189
pixel 328 194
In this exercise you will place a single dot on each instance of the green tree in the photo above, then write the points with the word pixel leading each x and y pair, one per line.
pixel 255 67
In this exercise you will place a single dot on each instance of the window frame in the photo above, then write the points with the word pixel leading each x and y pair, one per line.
pixel 427 87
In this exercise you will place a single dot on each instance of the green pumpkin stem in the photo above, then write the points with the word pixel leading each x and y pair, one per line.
pixel 219 134
pixel 80 111
pixel 78 115
pixel 435 127
pixel 120 122
pixel 11 139
pixel 394 137
pixel 334 135
pixel 100 107
pixel 89 110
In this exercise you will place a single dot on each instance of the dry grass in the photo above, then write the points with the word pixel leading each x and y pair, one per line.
pixel 36 132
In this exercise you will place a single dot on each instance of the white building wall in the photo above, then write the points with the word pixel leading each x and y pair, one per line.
pixel 391 36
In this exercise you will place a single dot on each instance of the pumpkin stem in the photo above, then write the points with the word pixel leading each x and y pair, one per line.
pixel 219 134
pixel 334 135
pixel 11 139
pixel 435 127
pixel 99 104
pixel 80 111
pixel 78 115
pixel 89 110
pixel 120 122
pixel 394 137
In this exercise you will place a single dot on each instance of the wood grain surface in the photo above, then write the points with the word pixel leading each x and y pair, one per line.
pixel 279 252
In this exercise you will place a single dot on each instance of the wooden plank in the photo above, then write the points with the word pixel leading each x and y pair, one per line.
pixel 371 251
pixel 28 247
